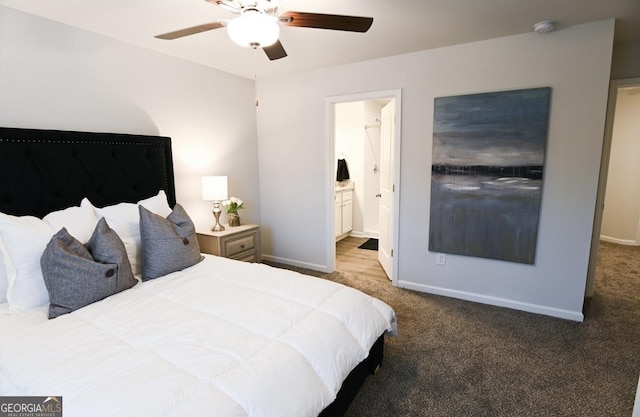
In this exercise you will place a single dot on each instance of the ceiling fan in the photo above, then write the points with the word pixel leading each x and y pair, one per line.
pixel 257 24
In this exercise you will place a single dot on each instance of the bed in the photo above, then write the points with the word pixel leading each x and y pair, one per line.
pixel 216 337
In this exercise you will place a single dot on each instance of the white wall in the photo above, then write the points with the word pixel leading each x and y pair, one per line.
pixel 574 62
pixel 53 76
pixel 621 216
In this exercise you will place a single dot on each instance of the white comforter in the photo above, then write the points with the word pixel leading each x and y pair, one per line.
pixel 222 338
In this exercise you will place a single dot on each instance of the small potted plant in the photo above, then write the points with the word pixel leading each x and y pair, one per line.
pixel 232 206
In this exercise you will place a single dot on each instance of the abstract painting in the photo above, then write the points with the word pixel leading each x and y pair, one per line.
pixel 486 173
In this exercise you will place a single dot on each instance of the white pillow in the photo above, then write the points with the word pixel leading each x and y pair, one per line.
pixel 124 218
pixel 4 283
pixel 157 204
pixel 24 241
pixel 79 222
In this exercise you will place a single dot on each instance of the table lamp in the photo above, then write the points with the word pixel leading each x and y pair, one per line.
pixel 214 188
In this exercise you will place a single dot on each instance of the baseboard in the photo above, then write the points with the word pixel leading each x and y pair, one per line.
pixel 619 241
pixel 368 235
pixel 286 261
pixel 495 301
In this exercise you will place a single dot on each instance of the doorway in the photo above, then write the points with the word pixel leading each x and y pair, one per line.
pixel 622 93
pixel 363 135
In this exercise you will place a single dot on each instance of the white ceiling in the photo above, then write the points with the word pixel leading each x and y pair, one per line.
pixel 400 26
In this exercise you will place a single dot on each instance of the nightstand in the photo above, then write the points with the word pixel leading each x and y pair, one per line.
pixel 240 242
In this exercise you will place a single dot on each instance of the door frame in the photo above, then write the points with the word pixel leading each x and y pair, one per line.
pixel 614 86
pixel 396 95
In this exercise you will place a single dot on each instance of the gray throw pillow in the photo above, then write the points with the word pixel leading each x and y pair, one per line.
pixel 168 244
pixel 77 275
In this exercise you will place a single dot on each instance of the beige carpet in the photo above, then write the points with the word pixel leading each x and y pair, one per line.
pixel 458 358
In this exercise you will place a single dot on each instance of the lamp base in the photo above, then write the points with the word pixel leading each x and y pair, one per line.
pixel 216 213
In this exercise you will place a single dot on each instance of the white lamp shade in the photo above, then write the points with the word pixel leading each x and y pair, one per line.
pixel 253 29
pixel 214 188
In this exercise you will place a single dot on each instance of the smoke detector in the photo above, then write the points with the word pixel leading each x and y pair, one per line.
pixel 545 26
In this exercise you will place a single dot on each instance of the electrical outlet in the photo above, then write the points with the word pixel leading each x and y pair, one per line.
pixel 441 259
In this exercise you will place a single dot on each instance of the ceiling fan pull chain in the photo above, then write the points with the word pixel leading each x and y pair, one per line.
pixel 255 72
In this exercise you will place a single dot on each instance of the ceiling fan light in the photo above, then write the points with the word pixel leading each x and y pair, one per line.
pixel 253 29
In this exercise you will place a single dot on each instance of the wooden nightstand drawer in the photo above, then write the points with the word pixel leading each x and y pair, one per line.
pixel 235 246
pixel 245 257
pixel 241 243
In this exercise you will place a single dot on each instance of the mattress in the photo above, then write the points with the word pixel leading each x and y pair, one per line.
pixel 222 338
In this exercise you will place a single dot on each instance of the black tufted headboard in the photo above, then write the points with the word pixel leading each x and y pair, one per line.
pixel 46 170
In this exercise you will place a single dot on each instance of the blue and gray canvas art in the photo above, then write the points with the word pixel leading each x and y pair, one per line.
pixel 487 170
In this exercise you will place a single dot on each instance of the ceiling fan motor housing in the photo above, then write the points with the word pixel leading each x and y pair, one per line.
pixel 265 6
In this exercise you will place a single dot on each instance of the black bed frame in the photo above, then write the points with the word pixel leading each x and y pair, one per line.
pixel 351 385
pixel 47 170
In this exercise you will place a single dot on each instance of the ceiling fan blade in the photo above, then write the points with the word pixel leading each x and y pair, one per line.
pixel 191 31
pixel 275 51
pixel 326 21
